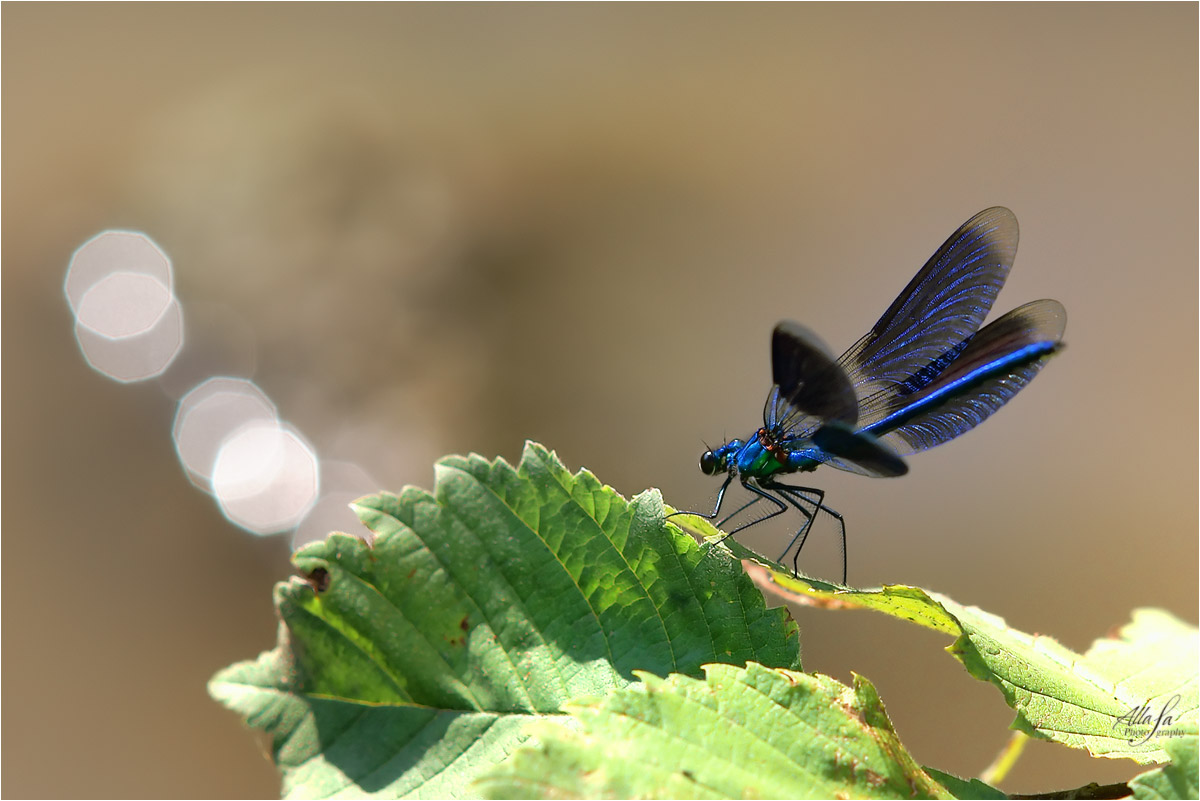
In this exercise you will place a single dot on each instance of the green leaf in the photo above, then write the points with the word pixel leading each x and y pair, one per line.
pixel 1149 670
pixel 1176 780
pixel 406 667
pixel 965 788
pixel 750 732
pixel 721 545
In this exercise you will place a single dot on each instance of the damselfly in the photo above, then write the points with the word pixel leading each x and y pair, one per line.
pixel 923 375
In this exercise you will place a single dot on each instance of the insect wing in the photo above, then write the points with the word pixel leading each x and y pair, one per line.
pixel 993 367
pixel 808 380
pixel 929 324
pixel 857 452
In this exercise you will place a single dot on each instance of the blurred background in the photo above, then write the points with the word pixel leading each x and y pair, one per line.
pixel 426 229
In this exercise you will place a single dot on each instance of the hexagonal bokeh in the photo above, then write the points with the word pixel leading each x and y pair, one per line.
pixel 266 477
pixel 208 415
pixel 112 252
pixel 136 357
pixel 127 321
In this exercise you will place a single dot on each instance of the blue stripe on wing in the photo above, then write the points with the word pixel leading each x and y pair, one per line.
pixel 993 367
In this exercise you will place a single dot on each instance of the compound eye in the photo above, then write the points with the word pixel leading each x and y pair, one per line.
pixel 709 464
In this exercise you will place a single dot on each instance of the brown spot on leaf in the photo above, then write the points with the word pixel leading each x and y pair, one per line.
pixel 318 578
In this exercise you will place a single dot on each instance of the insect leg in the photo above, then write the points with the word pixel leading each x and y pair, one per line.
pixel 794 495
pixel 739 510
pixel 781 508
pixel 716 509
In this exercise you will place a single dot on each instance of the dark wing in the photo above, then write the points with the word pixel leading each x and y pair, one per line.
pixel 929 324
pixel 857 452
pixel 995 365
pixel 808 380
